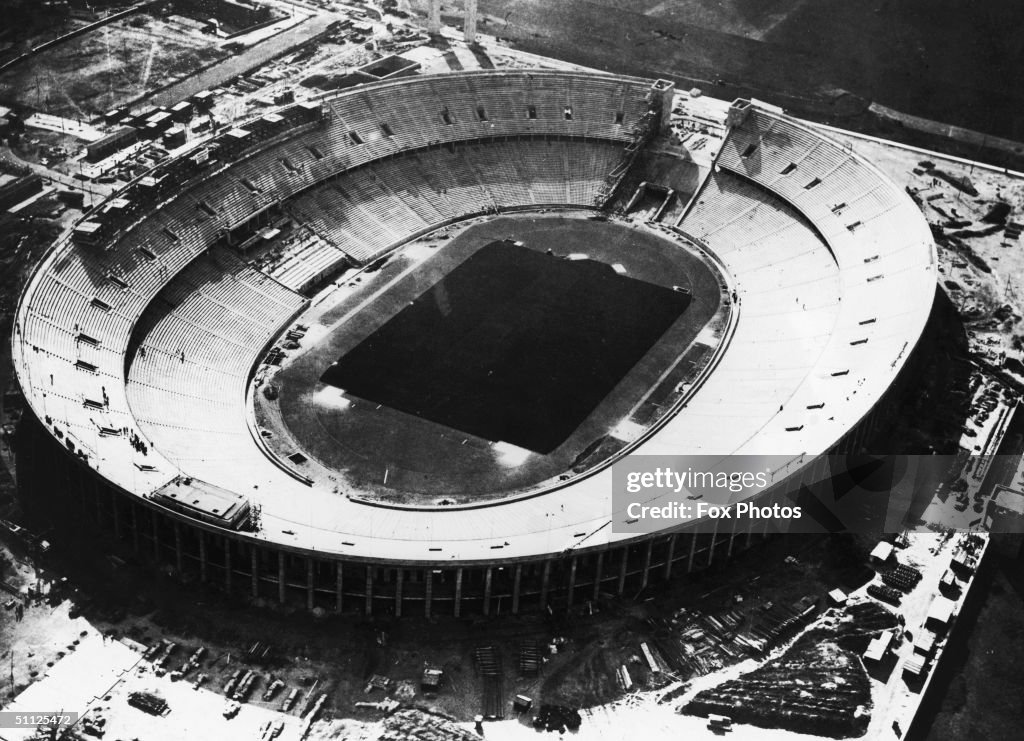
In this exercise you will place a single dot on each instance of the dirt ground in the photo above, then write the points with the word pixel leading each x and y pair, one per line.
pixel 951 61
pixel 338 655
pixel 981 263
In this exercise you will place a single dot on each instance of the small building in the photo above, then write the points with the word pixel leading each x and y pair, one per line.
pixel 837 597
pixel 915 664
pixel 235 141
pixel 182 112
pixel 203 100
pixel 924 642
pixel 206 502
pixel 174 137
pixel 20 189
pixel 431 680
pixel 719 722
pixel 71 198
pixel 940 613
pixel 881 553
pixel 140 118
pixel 88 233
pixel 159 122
pixel 878 647
pixel 963 561
pixel 115 141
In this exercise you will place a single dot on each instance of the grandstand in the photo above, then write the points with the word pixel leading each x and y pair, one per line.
pixel 190 366
pixel 137 338
pixel 364 213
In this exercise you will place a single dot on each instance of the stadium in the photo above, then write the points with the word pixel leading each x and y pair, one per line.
pixel 538 280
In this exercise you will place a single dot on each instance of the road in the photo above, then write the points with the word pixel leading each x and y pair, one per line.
pixel 96 191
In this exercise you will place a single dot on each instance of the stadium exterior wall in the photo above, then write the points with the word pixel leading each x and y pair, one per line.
pixel 53 481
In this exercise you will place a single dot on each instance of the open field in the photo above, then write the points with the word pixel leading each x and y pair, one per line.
pixel 954 61
pixel 109 67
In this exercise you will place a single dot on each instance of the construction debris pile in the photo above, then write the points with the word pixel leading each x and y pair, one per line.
pixel 818 686
pixel 695 643
pixel 416 725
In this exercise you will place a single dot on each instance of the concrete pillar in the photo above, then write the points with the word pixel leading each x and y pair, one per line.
pixel 647 563
pixel 227 565
pixel 117 515
pixel 572 578
pixel 135 529
pixel 282 584
pixel 764 533
pixel 732 539
pixel 179 556
pixel 255 570
pixel 154 518
pixel 398 592
pixel 202 556
pixel 369 590
pixel 429 588
pixel 80 500
pixel 487 590
pixel 545 579
pixel 516 579
pixel 434 16
pixel 671 554
pixel 693 552
pixel 597 575
pixel 309 584
pixel 714 537
pixel 622 570
pixel 469 24
pixel 458 591
pixel 339 585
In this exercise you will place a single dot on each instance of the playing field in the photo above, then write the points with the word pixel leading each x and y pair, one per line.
pixel 513 345
pixel 499 359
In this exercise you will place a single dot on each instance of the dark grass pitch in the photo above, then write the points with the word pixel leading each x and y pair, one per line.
pixel 512 345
